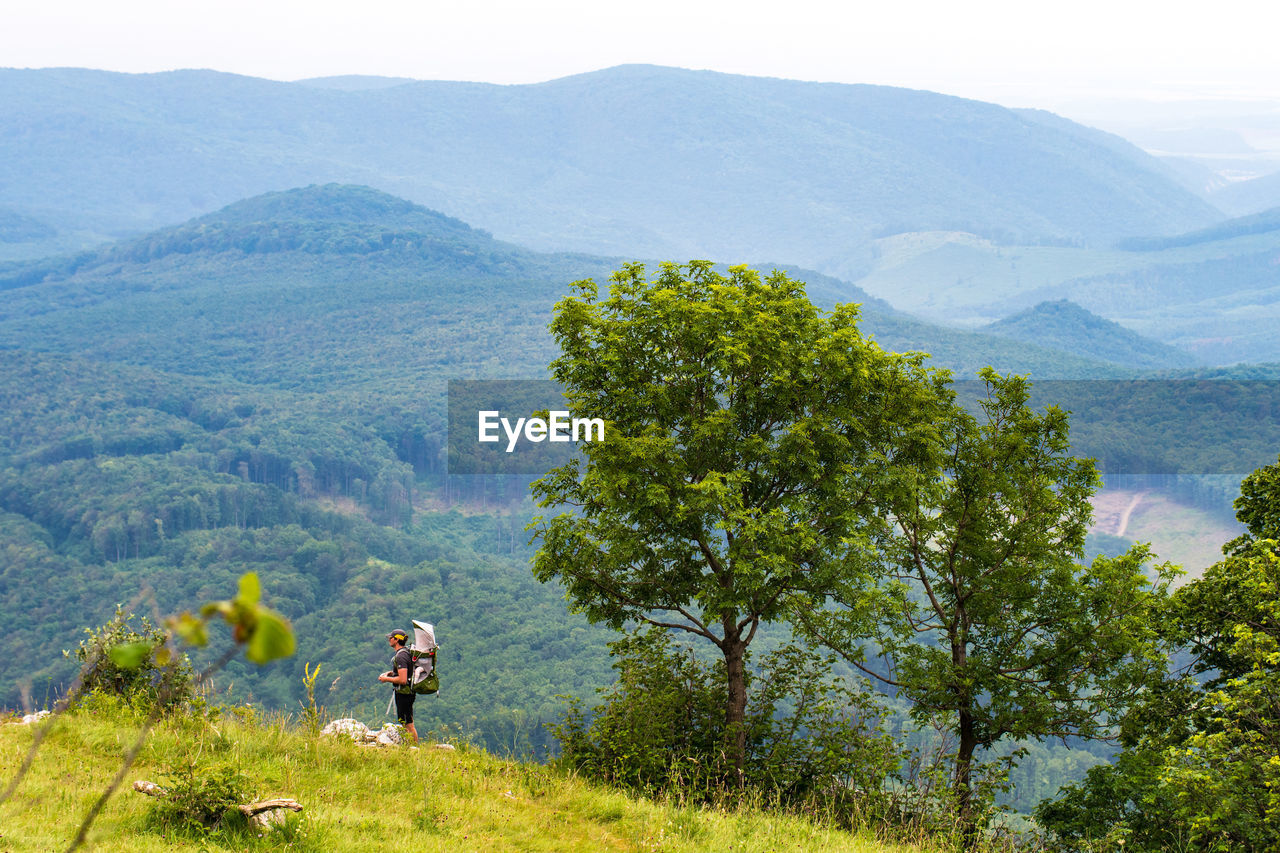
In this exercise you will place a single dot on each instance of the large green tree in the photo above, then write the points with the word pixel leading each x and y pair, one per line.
pixel 751 445
pixel 984 616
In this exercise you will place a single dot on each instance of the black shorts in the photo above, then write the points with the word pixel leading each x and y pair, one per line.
pixel 404 707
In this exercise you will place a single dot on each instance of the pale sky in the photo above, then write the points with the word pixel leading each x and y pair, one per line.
pixel 1018 53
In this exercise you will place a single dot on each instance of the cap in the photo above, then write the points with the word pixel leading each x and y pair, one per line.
pixel 398 634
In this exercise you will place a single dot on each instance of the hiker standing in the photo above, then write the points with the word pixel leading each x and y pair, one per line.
pixel 401 667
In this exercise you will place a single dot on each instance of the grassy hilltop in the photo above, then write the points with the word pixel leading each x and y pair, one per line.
pixel 359 798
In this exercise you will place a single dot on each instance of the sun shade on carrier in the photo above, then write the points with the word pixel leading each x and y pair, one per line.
pixel 422 676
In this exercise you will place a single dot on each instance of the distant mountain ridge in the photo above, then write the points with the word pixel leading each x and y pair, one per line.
pixel 332 219
pixel 634 160
pixel 1264 222
pixel 319 258
pixel 1066 326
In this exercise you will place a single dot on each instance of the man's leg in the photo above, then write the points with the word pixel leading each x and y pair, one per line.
pixel 404 713
pixel 409 727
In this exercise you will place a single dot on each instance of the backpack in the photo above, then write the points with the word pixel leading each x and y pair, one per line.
pixel 423 677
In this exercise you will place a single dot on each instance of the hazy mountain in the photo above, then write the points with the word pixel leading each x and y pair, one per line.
pixel 1066 326
pixel 355 82
pixel 1195 175
pixel 1251 196
pixel 303 280
pixel 17 228
pixel 1266 222
pixel 636 160
pixel 1212 292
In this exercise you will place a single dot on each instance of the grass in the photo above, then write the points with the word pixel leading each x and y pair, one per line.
pixel 358 798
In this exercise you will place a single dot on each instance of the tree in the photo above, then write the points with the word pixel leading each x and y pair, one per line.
pixel 984 615
pixel 1258 507
pixel 1200 768
pixel 750 443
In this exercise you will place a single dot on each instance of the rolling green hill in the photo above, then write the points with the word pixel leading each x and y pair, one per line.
pixel 1066 326
pixel 659 162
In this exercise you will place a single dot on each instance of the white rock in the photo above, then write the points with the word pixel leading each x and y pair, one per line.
pixel 348 726
pixel 34 718
pixel 390 735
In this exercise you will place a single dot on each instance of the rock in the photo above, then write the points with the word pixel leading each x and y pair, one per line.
pixel 390 735
pixel 444 746
pixel 348 726
pixel 34 718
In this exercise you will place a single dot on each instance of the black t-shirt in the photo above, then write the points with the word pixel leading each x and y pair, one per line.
pixel 402 660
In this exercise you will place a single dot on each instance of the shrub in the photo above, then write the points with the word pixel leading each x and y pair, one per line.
pixel 661 729
pixel 200 800
pixel 144 684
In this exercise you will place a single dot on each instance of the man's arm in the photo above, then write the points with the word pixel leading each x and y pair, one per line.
pixel 400 676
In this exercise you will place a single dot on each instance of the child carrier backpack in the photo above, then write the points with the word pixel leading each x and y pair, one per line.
pixel 423 677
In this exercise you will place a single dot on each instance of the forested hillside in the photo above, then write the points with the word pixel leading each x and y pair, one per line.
pixel 1068 327
pixel 263 388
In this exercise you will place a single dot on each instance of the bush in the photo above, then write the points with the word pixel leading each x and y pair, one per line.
pixel 142 685
pixel 661 724
pixel 661 728
pixel 201 801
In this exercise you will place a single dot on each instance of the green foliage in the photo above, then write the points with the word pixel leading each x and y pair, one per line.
pixel 200 798
pixel 1199 770
pixel 984 618
pixel 661 729
pixel 1258 506
pixel 815 736
pixel 751 442
pixel 264 632
pixel 135 664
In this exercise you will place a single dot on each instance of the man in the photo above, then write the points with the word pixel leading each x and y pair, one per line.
pixel 401 667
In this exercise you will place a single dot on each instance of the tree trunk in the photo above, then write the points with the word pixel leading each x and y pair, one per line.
pixel 735 715
pixel 964 782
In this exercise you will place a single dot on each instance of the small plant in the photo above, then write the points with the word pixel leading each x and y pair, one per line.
pixel 201 800
pixel 312 715
pixel 431 817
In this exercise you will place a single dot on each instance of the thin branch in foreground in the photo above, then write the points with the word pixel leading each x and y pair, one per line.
pixel 134 750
